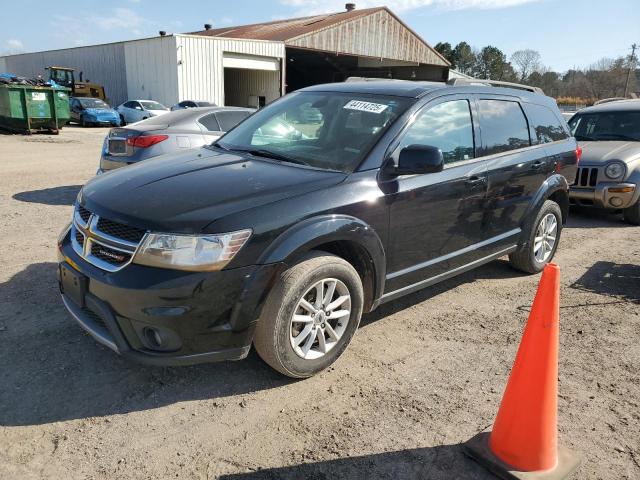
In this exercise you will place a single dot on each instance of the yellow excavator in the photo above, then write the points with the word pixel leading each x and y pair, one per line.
pixel 64 76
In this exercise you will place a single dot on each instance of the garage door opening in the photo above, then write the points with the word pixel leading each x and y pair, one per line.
pixel 310 67
pixel 251 81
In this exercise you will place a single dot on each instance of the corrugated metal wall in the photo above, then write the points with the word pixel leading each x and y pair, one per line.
pixel 241 84
pixel 3 65
pixel 378 35
pixel 151 69
pixel 200 65
pixel 104 64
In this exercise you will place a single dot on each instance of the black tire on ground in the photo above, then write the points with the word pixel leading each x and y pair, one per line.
pixel 632 214
pixel 83 122
pixel 122 121
pixel 272 337
pixel 524 258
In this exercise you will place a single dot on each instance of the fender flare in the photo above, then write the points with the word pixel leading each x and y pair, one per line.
pixel 315 231
pixel 552 185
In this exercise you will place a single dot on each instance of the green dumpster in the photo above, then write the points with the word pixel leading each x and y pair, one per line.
pixel 27 108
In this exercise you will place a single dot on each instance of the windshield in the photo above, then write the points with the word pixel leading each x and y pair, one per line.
pixel 332 131
pixel 606 126
pixel 92 103
pixel 151 105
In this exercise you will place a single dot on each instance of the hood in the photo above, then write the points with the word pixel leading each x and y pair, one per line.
pixel 98 111
pixel 184 192
pixel 594 153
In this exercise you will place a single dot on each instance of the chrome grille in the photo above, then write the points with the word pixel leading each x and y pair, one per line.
pixel 586 177
pixel 102 242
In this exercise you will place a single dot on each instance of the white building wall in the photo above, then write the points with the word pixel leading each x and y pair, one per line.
pixel 151 68
pixel 201 69
pixel 103 64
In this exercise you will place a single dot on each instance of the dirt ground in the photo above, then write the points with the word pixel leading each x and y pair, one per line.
pixel 423 374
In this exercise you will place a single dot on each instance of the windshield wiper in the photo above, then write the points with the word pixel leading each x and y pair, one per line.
pixel 269 154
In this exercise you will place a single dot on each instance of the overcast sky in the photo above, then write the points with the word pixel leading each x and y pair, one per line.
pixel 567 33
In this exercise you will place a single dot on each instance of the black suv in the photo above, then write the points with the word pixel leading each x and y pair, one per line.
pixel 321 206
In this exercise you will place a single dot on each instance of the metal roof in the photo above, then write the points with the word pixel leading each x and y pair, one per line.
pixel 291 31
pixel 287 29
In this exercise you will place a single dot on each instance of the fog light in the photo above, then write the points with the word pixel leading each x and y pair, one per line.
pixel 615 201
pixel 153 336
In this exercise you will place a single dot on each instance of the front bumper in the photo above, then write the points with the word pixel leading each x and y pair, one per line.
pixel 605 195
pixel 199 316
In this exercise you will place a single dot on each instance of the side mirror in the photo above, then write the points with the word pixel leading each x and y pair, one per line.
pixel 419 159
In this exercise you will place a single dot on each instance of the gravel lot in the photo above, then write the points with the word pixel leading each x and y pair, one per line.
pixel 423 374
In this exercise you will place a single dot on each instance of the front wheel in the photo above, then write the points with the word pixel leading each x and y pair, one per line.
pixel 83 122
pixel 543 240
pixel 310 316
pixel 632 214
pixel 122 121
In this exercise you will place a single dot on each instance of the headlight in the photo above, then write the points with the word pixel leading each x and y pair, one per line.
pixel 190 252
pixel 615 170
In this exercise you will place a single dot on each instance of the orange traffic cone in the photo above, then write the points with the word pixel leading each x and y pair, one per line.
pixel 524 440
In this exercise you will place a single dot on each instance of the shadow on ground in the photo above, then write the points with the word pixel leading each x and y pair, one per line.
pixel 612 279
pixel 65 195
pixel 442 462
pixel 53 371
pixel 582 217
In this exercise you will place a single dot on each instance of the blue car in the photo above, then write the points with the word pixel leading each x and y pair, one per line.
pixel 92 111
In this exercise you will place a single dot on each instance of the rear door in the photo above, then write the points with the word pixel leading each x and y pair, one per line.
pixel 436 218
pixel 517 168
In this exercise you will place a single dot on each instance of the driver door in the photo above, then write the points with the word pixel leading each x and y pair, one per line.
pixel 436 218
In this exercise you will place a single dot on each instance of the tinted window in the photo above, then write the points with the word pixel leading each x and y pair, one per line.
pixel 545 124
pixel 228 120
pixel 446 126
pixel 151 105
pixel 603 126
pixel 130 104
pixel 503 126
pixel 210 123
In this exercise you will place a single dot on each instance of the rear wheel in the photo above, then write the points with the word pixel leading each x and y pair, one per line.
pixel 632 214
pixel 543 240
pixel 310 316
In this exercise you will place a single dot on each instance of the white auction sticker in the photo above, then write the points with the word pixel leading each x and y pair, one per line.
pixel 38 96
pixel 365 106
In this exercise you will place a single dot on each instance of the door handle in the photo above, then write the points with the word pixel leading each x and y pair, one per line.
pixel 475 181
pixel 537 165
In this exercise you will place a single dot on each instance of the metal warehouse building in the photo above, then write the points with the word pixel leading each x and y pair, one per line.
pixel 248 65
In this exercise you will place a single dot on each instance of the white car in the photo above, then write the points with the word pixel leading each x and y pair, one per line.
pixel 136 110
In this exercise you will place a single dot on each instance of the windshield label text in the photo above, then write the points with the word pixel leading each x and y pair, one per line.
pixel 365 106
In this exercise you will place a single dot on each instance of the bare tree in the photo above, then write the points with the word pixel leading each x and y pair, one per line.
pixel 526 62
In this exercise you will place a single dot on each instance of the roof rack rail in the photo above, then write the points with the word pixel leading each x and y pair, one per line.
pixel 496 83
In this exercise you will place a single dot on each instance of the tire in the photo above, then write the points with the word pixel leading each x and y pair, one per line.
pixel 276 330
pixel 122 121
pixel 83 122
pixel 632 214
pixel 525 259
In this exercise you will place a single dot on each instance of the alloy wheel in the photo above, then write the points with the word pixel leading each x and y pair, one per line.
pixel 545 238
pixel 320 318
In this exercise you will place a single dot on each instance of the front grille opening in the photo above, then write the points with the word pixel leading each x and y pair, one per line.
pixel 121 231
pixel 79 237
pixel 593 178
pixel 109 255
pixel 586 177
pixel 84 213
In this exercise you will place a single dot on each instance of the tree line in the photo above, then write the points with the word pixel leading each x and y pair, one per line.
pixel 605 78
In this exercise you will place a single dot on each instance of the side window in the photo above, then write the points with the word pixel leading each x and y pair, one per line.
pixel 128 104
pixel 210 123
pixel 545 124
pixel 447 126
pixel 228 120
pixel 503 125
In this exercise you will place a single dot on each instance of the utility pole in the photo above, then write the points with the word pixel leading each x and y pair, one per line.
pixel 632 65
